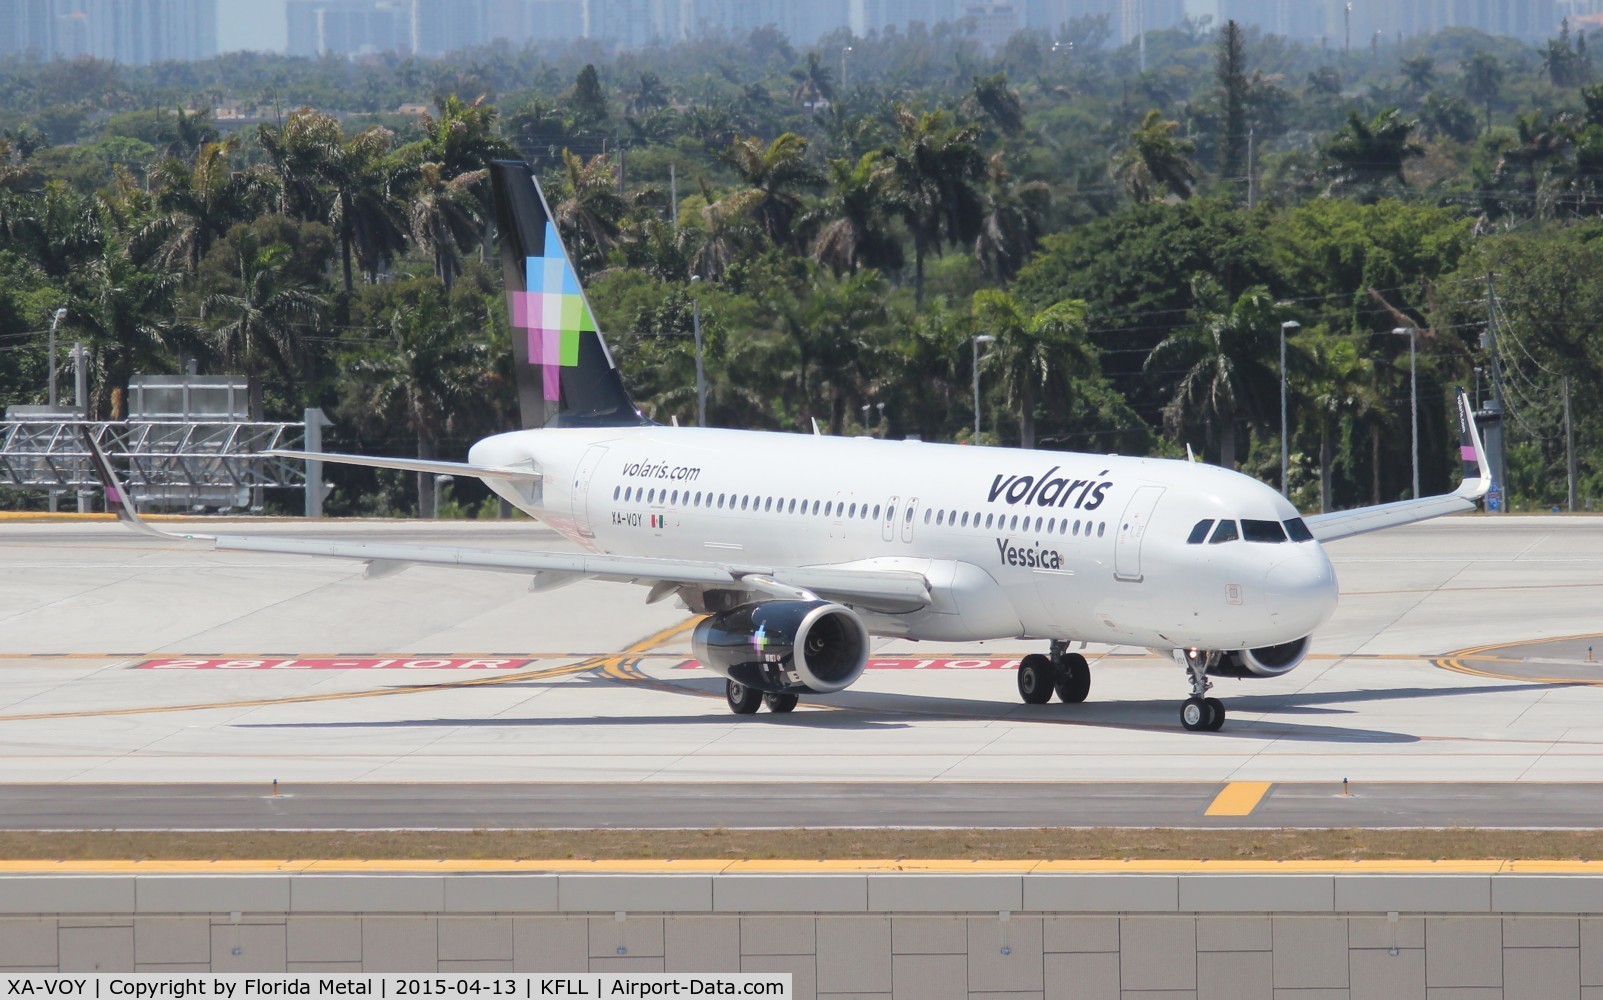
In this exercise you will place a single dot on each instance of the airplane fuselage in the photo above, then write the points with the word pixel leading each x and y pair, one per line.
pixel 1053 545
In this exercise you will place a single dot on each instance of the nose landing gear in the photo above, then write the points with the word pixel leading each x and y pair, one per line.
pixel 1199 713
pixel 1062 671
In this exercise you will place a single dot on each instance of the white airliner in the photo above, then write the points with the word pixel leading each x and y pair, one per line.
pixel 799 548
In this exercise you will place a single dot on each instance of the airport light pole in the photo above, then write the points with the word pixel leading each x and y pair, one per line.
pixel 1412 334
pixel 701 372
pixel 843 51
pixel 978 339
pixel 1286 328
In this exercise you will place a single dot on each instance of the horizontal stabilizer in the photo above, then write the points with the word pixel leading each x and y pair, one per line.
pixel 415 465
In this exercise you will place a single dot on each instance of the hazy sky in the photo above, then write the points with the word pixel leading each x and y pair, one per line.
pixel 250 24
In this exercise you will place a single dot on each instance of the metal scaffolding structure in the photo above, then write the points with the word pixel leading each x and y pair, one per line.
pixel 164 463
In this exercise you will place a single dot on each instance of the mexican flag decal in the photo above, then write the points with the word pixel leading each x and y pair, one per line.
pixel 658 521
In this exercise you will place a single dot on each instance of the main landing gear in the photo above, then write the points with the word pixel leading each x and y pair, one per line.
pixel 1062 671
pixel 745 701
pixel 1199 713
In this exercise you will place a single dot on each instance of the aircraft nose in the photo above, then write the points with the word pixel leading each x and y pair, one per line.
pixel 1302 590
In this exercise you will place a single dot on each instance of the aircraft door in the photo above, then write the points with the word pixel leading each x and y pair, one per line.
pixel 1132 527
pixel 887 529
pixel 581 488
pixel 908 518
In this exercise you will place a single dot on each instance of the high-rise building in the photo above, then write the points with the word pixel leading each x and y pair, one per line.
pixel 441 26
pixel 554 20
pixel 136 32
pixel 994 23
pixel 27 26
pixel 319 27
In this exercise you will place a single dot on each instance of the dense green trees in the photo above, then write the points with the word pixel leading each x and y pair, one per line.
pixel 849 241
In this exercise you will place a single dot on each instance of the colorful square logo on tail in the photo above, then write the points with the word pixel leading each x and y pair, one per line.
pixel 551 313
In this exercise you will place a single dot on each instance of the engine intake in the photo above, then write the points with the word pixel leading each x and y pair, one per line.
pixel 1265 661
pixel 783 647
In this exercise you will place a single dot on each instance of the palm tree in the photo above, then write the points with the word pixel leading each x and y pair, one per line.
pixel 1483 81
pixel 1343 396
pixel 1419 73
pixel 774 175
pixel 1368 155
pixel 648 94
pixel 363 212
pixel 444 217
pixel 814 82
pixel 296 150
pixel 994 99
pixel 1015 214
pixel 260 324
pixel 125 310
pixel 1032 349
pixel 935 168
pixel 1223 363
pixel 431 377
pixel 201 202
pixel 859 232
pixel 1155 164
pixel 1537 154
pixel 591 216
pixel 462 139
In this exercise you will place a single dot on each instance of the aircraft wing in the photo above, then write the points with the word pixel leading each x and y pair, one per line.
pixel 413 465
pixel 900 590
pixel 1343 523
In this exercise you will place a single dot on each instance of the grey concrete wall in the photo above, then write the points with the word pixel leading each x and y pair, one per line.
pixel 1086 937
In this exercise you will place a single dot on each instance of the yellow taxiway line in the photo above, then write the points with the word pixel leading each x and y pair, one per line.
pixel 714 866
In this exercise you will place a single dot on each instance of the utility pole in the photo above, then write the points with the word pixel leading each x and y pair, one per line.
pixel 1494 410
pixel 673 196
pixel 1252 172
pixel 1569 445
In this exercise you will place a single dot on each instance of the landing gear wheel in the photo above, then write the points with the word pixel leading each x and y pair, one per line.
pixel 742 699
pixel 1195 715
pixel 1216 714
pixel 1074 679
pixel 1036 678
pixel 779 704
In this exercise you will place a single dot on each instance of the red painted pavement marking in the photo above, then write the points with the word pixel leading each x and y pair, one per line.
pixel 343 663
pixel 914 664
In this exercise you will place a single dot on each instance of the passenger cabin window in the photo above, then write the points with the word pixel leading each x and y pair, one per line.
pixel 1226 532
pixel 1199 534
pixel 1298 530
pixel 1262 531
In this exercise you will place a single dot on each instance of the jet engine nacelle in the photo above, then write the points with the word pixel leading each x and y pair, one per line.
pixel 785 647
pixel 1265 661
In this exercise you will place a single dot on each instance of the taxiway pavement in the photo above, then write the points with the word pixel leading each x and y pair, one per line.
pixel 1435 673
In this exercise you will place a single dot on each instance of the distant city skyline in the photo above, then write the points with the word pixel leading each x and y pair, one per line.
pixel 251 25
pixel 142 31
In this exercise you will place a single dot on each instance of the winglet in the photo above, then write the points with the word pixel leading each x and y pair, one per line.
pixel 1477 476
pixel 117 499
pixel 1191 456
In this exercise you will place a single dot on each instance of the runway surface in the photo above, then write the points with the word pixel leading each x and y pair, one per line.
pixel 128 661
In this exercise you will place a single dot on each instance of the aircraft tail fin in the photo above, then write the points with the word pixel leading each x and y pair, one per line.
pixel 565 374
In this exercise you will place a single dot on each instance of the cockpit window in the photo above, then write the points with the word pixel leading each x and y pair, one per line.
pixel 1226 532
pixel 1262 531
pixel 1199 534
pixel 1298 531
